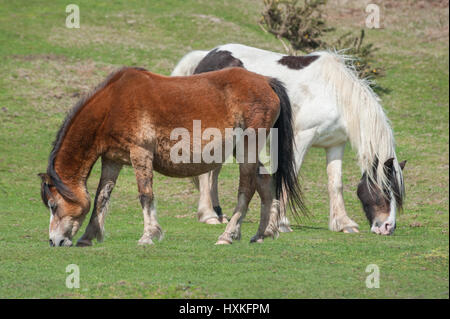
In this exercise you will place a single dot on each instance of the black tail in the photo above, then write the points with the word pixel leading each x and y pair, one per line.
pixel 286 176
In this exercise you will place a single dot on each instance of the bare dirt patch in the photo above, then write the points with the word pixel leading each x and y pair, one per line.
pixel 130 30
pixel 428 20
pixel 211 20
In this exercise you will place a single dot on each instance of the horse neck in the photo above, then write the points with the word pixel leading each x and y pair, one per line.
pixel 73 166
pixel 78 152
pixel 368 127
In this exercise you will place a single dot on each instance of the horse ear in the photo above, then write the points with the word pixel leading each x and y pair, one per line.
pixel 389 163
pixel 44 177
pixel 402 164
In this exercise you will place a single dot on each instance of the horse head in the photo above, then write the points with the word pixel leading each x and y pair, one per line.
pixel 66 212
pixel 380 204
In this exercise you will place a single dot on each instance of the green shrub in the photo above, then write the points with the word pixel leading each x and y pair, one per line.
pixel 301 23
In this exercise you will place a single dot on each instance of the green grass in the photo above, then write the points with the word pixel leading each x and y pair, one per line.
pixel 44 66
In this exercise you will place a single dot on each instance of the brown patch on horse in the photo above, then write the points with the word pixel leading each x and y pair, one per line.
pixel 376 201
pixel 297 62
pixel 217 60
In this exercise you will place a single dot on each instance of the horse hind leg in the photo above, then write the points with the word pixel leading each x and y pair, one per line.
pixel 271 215
pixel 303 141
pixel 214 182
pixel 95 228
pixel 247 187
pixel 142 161
pixel 284 224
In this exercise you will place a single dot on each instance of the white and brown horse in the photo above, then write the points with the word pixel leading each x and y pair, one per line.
pixel 130 120
pixel 331 105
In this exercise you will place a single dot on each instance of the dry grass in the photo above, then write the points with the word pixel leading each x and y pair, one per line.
pixel 425 23
pixel 420 17
pixel 52 83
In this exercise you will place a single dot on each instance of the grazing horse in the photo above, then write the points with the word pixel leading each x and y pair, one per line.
pixel 331 105
pixel 130 119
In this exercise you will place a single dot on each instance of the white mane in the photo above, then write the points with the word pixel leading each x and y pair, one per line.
pixel 368 127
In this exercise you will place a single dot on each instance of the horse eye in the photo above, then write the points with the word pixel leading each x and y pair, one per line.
pixel 52 205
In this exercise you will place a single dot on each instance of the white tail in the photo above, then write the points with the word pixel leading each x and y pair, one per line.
pixel 188 63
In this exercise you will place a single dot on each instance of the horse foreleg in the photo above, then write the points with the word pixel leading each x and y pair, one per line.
pixel 214 181
pixel 95 228
pixel 151 227
pixel 247 187
pixel 206 213
pixel 142 161
pixel 339 221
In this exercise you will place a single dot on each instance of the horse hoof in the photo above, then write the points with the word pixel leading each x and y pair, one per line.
pixel 285 229
pixel 257 239
pixel 212 221
pixel 84 243
pixel 223 242
pixel 223 219
pixel 145 241
pixel 350 230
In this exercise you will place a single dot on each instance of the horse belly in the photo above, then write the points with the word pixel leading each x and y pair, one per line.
pixel 191 156
pixel 171 169
pixel 331 137
pixel 322 114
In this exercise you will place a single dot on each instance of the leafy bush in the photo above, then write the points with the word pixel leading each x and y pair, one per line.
pixel 364 53
pixel 301 23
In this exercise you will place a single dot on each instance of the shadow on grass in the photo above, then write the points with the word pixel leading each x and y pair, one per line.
pixel 300 227
pixel 380 90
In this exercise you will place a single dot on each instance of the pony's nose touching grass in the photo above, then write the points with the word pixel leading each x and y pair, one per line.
pixel 60 242
pixel 381 205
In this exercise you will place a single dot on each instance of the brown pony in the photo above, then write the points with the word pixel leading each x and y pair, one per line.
pixel 129 119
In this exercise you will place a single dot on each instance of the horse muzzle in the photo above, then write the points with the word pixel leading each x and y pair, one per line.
pixel 59 241
pixel 387 228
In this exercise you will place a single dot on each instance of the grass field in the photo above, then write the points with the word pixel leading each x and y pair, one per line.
pixel 44 69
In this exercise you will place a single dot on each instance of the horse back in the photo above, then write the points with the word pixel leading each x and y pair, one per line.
pixel 221 99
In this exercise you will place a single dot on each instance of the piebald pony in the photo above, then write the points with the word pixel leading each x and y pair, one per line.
pixel 331 105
